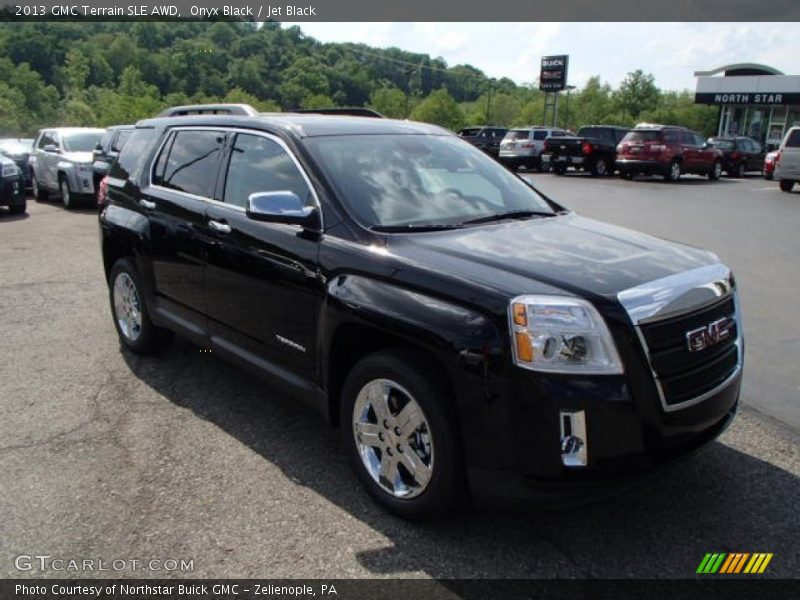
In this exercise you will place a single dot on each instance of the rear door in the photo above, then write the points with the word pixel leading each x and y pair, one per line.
pixel 691 151
pixel 182 182
pixel 789 162
pixel 263 287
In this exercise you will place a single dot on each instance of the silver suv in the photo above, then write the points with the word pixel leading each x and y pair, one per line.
pixel 61 163
pixel 523 146
pixel 787 162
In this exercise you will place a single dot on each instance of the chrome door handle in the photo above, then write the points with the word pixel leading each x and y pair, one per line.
pixel 149 204
pixel 219 226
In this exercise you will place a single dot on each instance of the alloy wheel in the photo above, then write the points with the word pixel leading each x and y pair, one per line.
pixel 65 197
pixel 127 307
pixel 393 438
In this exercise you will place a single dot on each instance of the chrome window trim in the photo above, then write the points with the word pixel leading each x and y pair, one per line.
pixel 649 303
pixel 223 129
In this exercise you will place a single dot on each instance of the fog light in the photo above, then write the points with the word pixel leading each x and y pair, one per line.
pixel 574 445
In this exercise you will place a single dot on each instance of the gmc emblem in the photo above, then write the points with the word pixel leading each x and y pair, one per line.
pixel 713 333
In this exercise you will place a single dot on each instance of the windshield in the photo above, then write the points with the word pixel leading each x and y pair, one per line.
pixel 84 141
pixel 469 132
pixel 642 135
pixel 420 180
pixel 721 144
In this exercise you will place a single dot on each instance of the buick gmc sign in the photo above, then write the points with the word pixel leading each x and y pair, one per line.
pixel 553 75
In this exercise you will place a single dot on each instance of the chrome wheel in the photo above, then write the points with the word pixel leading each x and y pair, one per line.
pixel 718 170
pixel 675 171
pixel 65 193
pixel 127 308
pixel 393 438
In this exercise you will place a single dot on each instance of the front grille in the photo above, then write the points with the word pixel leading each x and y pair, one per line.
pixel 684 375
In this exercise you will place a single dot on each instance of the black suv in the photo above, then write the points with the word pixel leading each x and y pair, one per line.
pixel 470 335
pixel 486 138
pixel 739 154
pixel 106 151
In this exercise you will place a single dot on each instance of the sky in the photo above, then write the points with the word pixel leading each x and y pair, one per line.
pixel 672 52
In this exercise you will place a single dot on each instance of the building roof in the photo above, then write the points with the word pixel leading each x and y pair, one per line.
pixel 740 69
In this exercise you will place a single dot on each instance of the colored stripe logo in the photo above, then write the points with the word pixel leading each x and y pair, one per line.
pixel 734 563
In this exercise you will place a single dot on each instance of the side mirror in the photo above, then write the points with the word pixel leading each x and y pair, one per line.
pixel 51 148
pixel 281 207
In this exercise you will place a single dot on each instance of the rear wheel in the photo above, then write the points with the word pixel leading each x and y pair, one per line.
pixel 18 209
pixel 559 169
pixel 716 171
pixel 400 433
pixel 673 171
pixel 600 168
pixel 131 318
pixel 37 191
pixel 738 170
pixel 786 185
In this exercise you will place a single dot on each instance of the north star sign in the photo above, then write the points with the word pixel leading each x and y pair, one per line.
pixel 746 98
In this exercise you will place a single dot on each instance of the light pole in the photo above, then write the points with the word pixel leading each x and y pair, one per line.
pixel 409 71
pixel 569 88
pixel 489 103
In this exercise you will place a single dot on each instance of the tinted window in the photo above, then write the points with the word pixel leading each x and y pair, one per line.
pixel 472 131
pixel 699 140
pixel 190 163
pixel 723 145
pixel 755 147
pixel 129 162
pixel 671 137
pixel 643 135
pixel 258 164
pixel 793 139
pixel 518 134
pixel 121 140
pixel 686 138
pixel 539 135
pixel 46 140
pixel 595 133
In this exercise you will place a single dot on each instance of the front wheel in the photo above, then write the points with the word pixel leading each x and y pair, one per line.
pixel 400 432
pixel 738 171
pixel 18 209
pixel 131 317
pixel 786 185
pixel 716 171
pixel 66 195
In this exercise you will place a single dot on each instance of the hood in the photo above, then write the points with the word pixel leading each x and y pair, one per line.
pixel 78 157
pixel 571 253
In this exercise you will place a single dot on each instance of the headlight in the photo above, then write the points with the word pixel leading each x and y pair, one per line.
pixel 558 334
pixel 10 170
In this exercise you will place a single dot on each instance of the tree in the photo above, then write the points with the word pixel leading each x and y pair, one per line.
pixel 389 101
pixel 439 108
pixel 637 93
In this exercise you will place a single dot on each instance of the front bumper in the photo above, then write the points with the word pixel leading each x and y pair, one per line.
pixel 12 191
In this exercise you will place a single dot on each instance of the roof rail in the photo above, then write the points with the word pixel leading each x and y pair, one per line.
pixel 351 112
pixel 209 109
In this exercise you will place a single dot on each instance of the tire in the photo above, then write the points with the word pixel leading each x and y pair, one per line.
pixel 139 336
pixel 541 167
pixel 404 379
pixel 37 191
pixel 18 209
pixel 716 171
pixel 786 185
pixel 559 169
pixel 66 196
pixel 673 171
pixel 738 171
pixel 600 168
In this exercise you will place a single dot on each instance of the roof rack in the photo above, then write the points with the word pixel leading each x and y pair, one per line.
pixel 352 112
pixel 209 109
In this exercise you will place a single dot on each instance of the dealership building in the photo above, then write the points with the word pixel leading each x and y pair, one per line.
pixel 755 100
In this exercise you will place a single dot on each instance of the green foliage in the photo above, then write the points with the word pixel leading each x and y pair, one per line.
pixel 440 108
pixel 99 73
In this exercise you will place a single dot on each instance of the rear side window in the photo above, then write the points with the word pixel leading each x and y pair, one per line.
pixel 469 132
pixel 518 134
pixel 793 139
pixel 189 161
pixel 643 135
pixel 258 164
pixel 121 140
pixel 129 162
pixel 539 135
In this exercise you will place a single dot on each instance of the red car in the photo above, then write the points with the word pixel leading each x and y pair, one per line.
pixel 769 163
pixel 667 150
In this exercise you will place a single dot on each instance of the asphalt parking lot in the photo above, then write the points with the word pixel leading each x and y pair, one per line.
pixel 104 455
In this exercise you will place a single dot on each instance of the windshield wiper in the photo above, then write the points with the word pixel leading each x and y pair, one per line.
pixel 411 228
pixel 511 214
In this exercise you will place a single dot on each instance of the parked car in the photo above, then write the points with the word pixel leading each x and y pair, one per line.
pixel 485 138
pixel 787 161
pixel 593 149
pixel 739 154
pixel 470 335
pixel 19 150
pixel 12 186
pixel 769 164
pixel 523 147
pixel 61 163
pixel 667 150
pixel 107 150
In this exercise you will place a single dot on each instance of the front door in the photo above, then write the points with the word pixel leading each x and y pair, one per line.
pixel 262 284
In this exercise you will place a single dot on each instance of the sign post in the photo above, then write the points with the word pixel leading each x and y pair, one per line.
pixel 552 79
